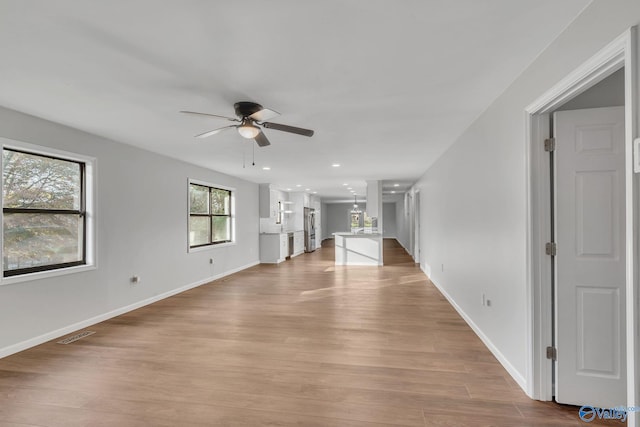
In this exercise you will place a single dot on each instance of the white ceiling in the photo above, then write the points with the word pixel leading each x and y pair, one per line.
pixel 386 85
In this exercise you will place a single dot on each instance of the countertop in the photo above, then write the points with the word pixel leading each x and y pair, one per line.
pixel 347 234
pixel 284 232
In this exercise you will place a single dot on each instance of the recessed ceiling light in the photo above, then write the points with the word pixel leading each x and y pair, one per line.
pixel 315 192
pixel 298 185
pixel 393 192
pixel 349 188
pixel 396 185
pixel 288 189
pixel 266 168
pixel 353 191
pixel 336 165
pixel 345 184
pixel 307 189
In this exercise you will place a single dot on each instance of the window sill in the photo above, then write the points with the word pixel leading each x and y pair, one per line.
pixel 46 274
pixel 209 247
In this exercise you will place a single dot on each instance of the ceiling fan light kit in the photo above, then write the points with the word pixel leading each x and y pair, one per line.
pixel 251 116
pixel 248 130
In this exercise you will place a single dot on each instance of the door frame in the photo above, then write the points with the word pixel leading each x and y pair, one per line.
pixel 622 52
pixel 411 213
pixel 416 221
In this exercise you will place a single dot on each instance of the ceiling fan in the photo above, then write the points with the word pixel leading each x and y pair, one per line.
pixel 250 117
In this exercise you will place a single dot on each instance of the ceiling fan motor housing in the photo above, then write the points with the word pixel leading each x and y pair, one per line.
pixel 246 108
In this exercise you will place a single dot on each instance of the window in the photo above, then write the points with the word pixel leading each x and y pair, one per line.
pixel 210 218
pixel 43 206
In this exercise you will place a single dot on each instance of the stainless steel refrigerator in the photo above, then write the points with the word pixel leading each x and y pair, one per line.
pixel 309 230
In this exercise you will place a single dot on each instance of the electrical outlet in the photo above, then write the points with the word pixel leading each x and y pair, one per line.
pixel 485 301
pixel 135 280
pixel 210 260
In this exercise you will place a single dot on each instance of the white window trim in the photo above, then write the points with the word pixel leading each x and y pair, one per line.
pixel 233 216
pixel 90 203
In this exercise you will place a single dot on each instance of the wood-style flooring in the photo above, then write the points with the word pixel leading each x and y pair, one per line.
pixel 303 343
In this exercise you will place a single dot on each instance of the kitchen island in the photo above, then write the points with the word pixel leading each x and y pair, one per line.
pixel 358 248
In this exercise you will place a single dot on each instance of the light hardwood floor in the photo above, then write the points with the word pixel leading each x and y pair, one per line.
pixel 302 343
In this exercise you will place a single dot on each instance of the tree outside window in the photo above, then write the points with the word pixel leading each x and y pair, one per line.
pixel 209 215
pixel 43 212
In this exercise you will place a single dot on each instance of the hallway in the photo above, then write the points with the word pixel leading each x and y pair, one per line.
pixel 301 343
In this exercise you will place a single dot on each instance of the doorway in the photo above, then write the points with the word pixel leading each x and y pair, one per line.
pixel 543 274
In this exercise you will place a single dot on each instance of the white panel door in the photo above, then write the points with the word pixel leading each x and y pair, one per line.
pixel 590 262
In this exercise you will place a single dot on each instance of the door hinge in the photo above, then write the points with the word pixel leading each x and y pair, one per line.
pixel 550 144
pixel 552 353
pixel 551 248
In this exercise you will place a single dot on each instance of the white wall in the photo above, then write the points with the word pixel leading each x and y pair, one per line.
pixel 608 93
pixel 399 226
pixel 390 223
pixel 324 234
pixel 374 203
pixel 337 218
pixel 473 228
pixel 402 222
pixel 141 229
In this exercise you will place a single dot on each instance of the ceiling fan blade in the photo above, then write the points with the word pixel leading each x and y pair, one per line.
pixel 211 115
pixel 262 140
pixel 213 132
pixel 287 128
pixel 264 114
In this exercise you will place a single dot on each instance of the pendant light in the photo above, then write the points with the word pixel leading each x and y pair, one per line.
pixel 355 204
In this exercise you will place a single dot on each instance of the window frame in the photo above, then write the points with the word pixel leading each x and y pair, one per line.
pixel 86 213
pixel 231 216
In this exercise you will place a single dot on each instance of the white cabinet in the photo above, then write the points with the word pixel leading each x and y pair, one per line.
pixel 298 242
pixel 296 220
pixel 284 245
pixel 264 204
pixel 270 201
pixel 274 247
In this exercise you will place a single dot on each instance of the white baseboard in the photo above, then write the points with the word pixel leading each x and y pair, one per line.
pixel 32 342
pixel 405 248
pixel 517 376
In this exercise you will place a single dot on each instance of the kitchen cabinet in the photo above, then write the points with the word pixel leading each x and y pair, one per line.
pixel 298 242
pixel 284 245
pixel 274 247
pixel 271 201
